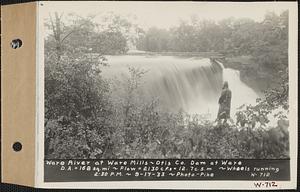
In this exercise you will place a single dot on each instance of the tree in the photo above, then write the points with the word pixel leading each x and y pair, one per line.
pixel 124 25
pixel 110 42
pixel 77 106
pixel 156 40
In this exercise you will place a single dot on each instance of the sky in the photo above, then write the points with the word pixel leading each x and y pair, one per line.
pixel 166 14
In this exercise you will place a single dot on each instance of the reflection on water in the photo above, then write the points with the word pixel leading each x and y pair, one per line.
pixel 191 84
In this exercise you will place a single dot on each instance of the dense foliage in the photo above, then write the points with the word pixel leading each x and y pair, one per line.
pixel 88 116
pixel 236 36
pixel 136 128
pixel 85 33
pixel 265 42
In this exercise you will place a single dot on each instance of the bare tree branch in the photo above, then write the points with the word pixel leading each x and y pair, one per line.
pixel 76 28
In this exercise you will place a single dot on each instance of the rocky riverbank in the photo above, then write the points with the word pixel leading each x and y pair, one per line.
pixel 250 72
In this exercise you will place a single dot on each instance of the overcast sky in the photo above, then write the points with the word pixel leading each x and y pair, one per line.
pixel 167 14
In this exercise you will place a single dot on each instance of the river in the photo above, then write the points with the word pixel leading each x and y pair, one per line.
pixel 192 84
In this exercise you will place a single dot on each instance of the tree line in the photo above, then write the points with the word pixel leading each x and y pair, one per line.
pixel 266 41
pixel 241 36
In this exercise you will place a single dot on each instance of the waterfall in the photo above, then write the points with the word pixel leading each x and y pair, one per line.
pixel 191 84
pixel 241 93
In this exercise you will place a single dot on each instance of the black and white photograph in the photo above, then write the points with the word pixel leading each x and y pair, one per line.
pixel 166 81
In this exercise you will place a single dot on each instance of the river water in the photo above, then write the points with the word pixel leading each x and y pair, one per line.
pixel 192 84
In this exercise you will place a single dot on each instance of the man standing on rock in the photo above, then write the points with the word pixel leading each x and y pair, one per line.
pixel 224 104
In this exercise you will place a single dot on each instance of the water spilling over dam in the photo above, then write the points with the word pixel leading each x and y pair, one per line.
pixel 191 84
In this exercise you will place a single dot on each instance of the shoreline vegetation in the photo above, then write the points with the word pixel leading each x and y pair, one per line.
pixel 86 119
pixel 171 53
